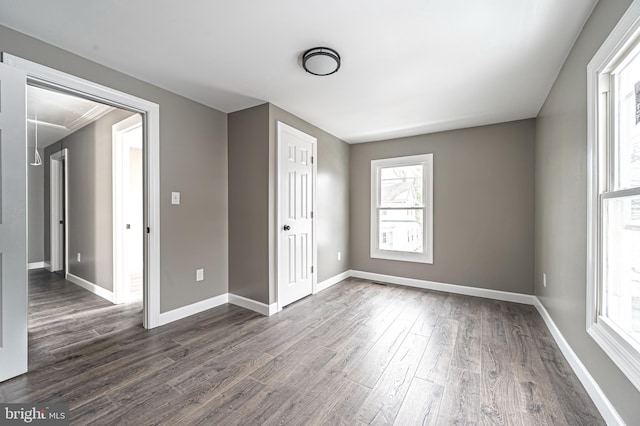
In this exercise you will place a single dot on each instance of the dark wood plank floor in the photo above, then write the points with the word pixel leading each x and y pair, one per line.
pixel 356 353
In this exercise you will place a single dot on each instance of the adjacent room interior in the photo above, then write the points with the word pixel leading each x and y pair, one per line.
pixel 415 213
pixel 85 203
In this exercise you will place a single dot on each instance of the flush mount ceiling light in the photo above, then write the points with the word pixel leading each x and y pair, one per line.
pixel 321 61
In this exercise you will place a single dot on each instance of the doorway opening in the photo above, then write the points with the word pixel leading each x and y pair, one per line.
pixel 58 212
pixel 128 248
pixel 94 184
pixel 44 77
pixel 18 76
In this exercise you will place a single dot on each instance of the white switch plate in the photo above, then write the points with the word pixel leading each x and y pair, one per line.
pixel 175 198
pixel 79 257
pixel 199 274
pixel 544 279
pixel 339 255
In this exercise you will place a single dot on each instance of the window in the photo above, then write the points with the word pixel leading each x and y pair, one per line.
pixel 613 275
pixel 402 208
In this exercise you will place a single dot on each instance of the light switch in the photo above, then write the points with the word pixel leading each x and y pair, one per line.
pixel 175 198
pixel 199 274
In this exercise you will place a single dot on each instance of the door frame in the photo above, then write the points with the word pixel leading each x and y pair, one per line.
pixel 13 226
pixel 281 128
pixel 43 76
pixel 56 194
pixel 119 155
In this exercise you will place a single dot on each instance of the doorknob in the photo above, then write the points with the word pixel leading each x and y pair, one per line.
pixel 287 227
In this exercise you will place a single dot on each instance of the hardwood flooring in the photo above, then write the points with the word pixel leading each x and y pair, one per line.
pixel 356 353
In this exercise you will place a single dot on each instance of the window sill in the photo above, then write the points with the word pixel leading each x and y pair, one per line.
pixel 402 256
pixel 621 352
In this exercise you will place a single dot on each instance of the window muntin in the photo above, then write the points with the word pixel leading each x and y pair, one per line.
pixel 401 209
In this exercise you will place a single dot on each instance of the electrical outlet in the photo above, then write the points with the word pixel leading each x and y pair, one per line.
pixel 199 274
pixel 544 279
pixel 339 255
pixel 79 257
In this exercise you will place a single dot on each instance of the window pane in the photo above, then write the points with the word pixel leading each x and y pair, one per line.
pixel 401 230
pixel 401 186
pixel 627 149
pixel 621 263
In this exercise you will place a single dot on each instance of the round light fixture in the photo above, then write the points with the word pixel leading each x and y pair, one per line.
pixel 321 61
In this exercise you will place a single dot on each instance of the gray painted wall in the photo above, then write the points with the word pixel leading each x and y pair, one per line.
pixel 36 212
pixel 483 206
pixel 252 177
pixel 249 203
pixel 193 160
pixel 561 208
pixel 90 198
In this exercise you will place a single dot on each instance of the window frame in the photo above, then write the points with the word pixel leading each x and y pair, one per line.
pixel 427 187
pixel 622 43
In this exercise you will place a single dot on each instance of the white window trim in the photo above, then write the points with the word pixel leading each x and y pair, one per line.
pixel 376 253
pixel 624 352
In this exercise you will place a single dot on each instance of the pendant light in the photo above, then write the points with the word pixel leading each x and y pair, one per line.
pixel 37 161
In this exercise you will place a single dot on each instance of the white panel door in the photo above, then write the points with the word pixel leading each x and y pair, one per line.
pixel 13 223
pixel 295 257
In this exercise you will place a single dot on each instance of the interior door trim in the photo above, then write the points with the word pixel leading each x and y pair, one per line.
pixel 43 76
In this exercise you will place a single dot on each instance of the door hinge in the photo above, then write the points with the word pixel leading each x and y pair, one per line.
pixel 148 230
pixel 312 160
pixel 312 269
pixel 311 215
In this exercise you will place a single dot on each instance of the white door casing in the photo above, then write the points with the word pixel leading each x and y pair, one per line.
pixel 13 223
pixel 296 250
pixel 49 77
pixel 123 234
pixel 58 208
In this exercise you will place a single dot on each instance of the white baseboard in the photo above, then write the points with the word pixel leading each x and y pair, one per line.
pixel 506 296
pixel 95 289
pixel 598 397
pixel 194 308
pixel 332 281
pixel 253 305
pixel 38 265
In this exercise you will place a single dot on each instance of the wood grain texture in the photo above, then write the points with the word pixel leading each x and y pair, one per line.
pixel 356 353
pixel 421 404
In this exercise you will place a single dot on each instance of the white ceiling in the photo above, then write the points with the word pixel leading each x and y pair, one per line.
pixel 409 66
pixel 58 115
